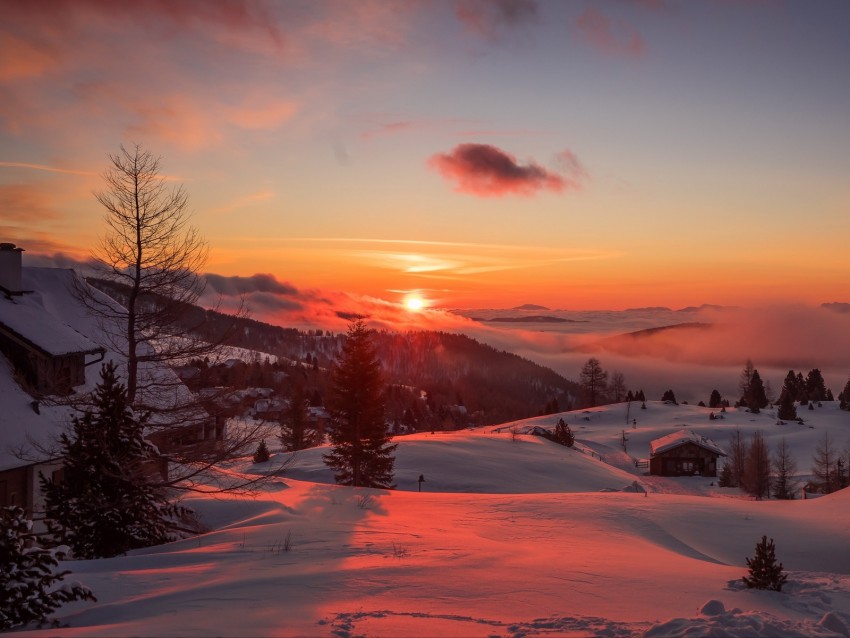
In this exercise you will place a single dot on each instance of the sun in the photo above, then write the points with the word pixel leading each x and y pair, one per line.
pixel 414 303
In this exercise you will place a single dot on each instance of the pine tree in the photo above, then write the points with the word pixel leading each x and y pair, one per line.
pixel 844 397
pixel 563 434
pixel 714 399
pixel 261 455
pixel 669 396
pixel 745 379
pixel 755 397
pixel 361 453
pixel 787 410
pixel 815 386
pixel 765 573
pixel 726 479
pixel 105 503
pixel 296 432
pixel 28 576
pixel 784 469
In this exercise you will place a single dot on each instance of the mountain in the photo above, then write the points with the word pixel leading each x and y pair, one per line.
pixel 531 306
pixel 454 371
pixel 526 319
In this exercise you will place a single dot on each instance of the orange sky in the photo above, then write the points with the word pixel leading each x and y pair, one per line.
pixel 575 155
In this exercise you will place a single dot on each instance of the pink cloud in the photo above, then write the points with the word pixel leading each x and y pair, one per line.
pixel 486 171
pixel 612 37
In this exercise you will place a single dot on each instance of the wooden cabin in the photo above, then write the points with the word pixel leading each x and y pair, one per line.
pixel 684 453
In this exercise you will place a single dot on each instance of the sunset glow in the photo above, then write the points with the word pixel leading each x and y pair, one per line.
pixel 414 303
pixel 574 155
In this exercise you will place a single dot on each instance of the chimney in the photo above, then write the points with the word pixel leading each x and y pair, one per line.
pixel 10 269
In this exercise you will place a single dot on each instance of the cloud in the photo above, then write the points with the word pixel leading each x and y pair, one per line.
pixel 486 171
pixel 234 286
pixel 691 361
pixel 612 37
pixel 491 18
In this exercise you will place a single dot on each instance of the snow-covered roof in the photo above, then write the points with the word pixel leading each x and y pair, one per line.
pixel 29 321
pixel 682 437
pixel 58 323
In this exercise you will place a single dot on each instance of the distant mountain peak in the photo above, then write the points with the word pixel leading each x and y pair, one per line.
pixel 530 306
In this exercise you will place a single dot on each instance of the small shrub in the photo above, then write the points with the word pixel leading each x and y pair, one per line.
pixel 765 572
pixel 364 501
pixel 262 454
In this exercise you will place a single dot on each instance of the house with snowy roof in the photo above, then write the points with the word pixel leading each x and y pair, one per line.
pixel 684 453
pixel 49 345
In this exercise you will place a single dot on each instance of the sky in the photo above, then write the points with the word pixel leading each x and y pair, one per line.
pixel 476 153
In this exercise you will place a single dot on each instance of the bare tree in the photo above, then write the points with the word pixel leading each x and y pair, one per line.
pixel 149 263
pixel 594 380
pixel 737 458
pixel 784 469
pixel 617 388
pixel 152 257
pixel 824 466
pixel 757 472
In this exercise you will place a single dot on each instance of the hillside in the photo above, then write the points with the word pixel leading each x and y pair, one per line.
pixel 528 547
pixel 453 370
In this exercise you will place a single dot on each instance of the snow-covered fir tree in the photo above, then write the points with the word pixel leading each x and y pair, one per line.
pixel 107 502
pixel 28 576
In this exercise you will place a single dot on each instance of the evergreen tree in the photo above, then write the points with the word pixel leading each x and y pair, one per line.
pixel 815 386
pixel 669 396
pixel 844 397
pixel 106 502
pixel 784 469
pixel 28 576
pixel 765 573
pixel 361 453
pixel 714 399
pixel 745 379
pixel 726 479
pixel 296 432
pixel 757 472
pixel 802 395
pixel 563 434
pixel 755 397
pixel 787 410
pixel 262 453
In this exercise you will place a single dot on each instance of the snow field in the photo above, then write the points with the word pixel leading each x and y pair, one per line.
pixel 509 538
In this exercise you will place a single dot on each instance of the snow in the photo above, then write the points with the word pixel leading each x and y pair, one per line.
pixel 511 536
pixel 23 316
pixel 681 437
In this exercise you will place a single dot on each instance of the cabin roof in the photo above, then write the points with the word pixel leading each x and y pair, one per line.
pixel 41 330
pixel 682 437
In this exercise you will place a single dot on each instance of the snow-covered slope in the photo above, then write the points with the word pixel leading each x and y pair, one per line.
pixel 519 557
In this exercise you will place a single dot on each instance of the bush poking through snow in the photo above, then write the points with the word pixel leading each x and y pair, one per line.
pixel 765 572
pixel 27 576
pixel 262 453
